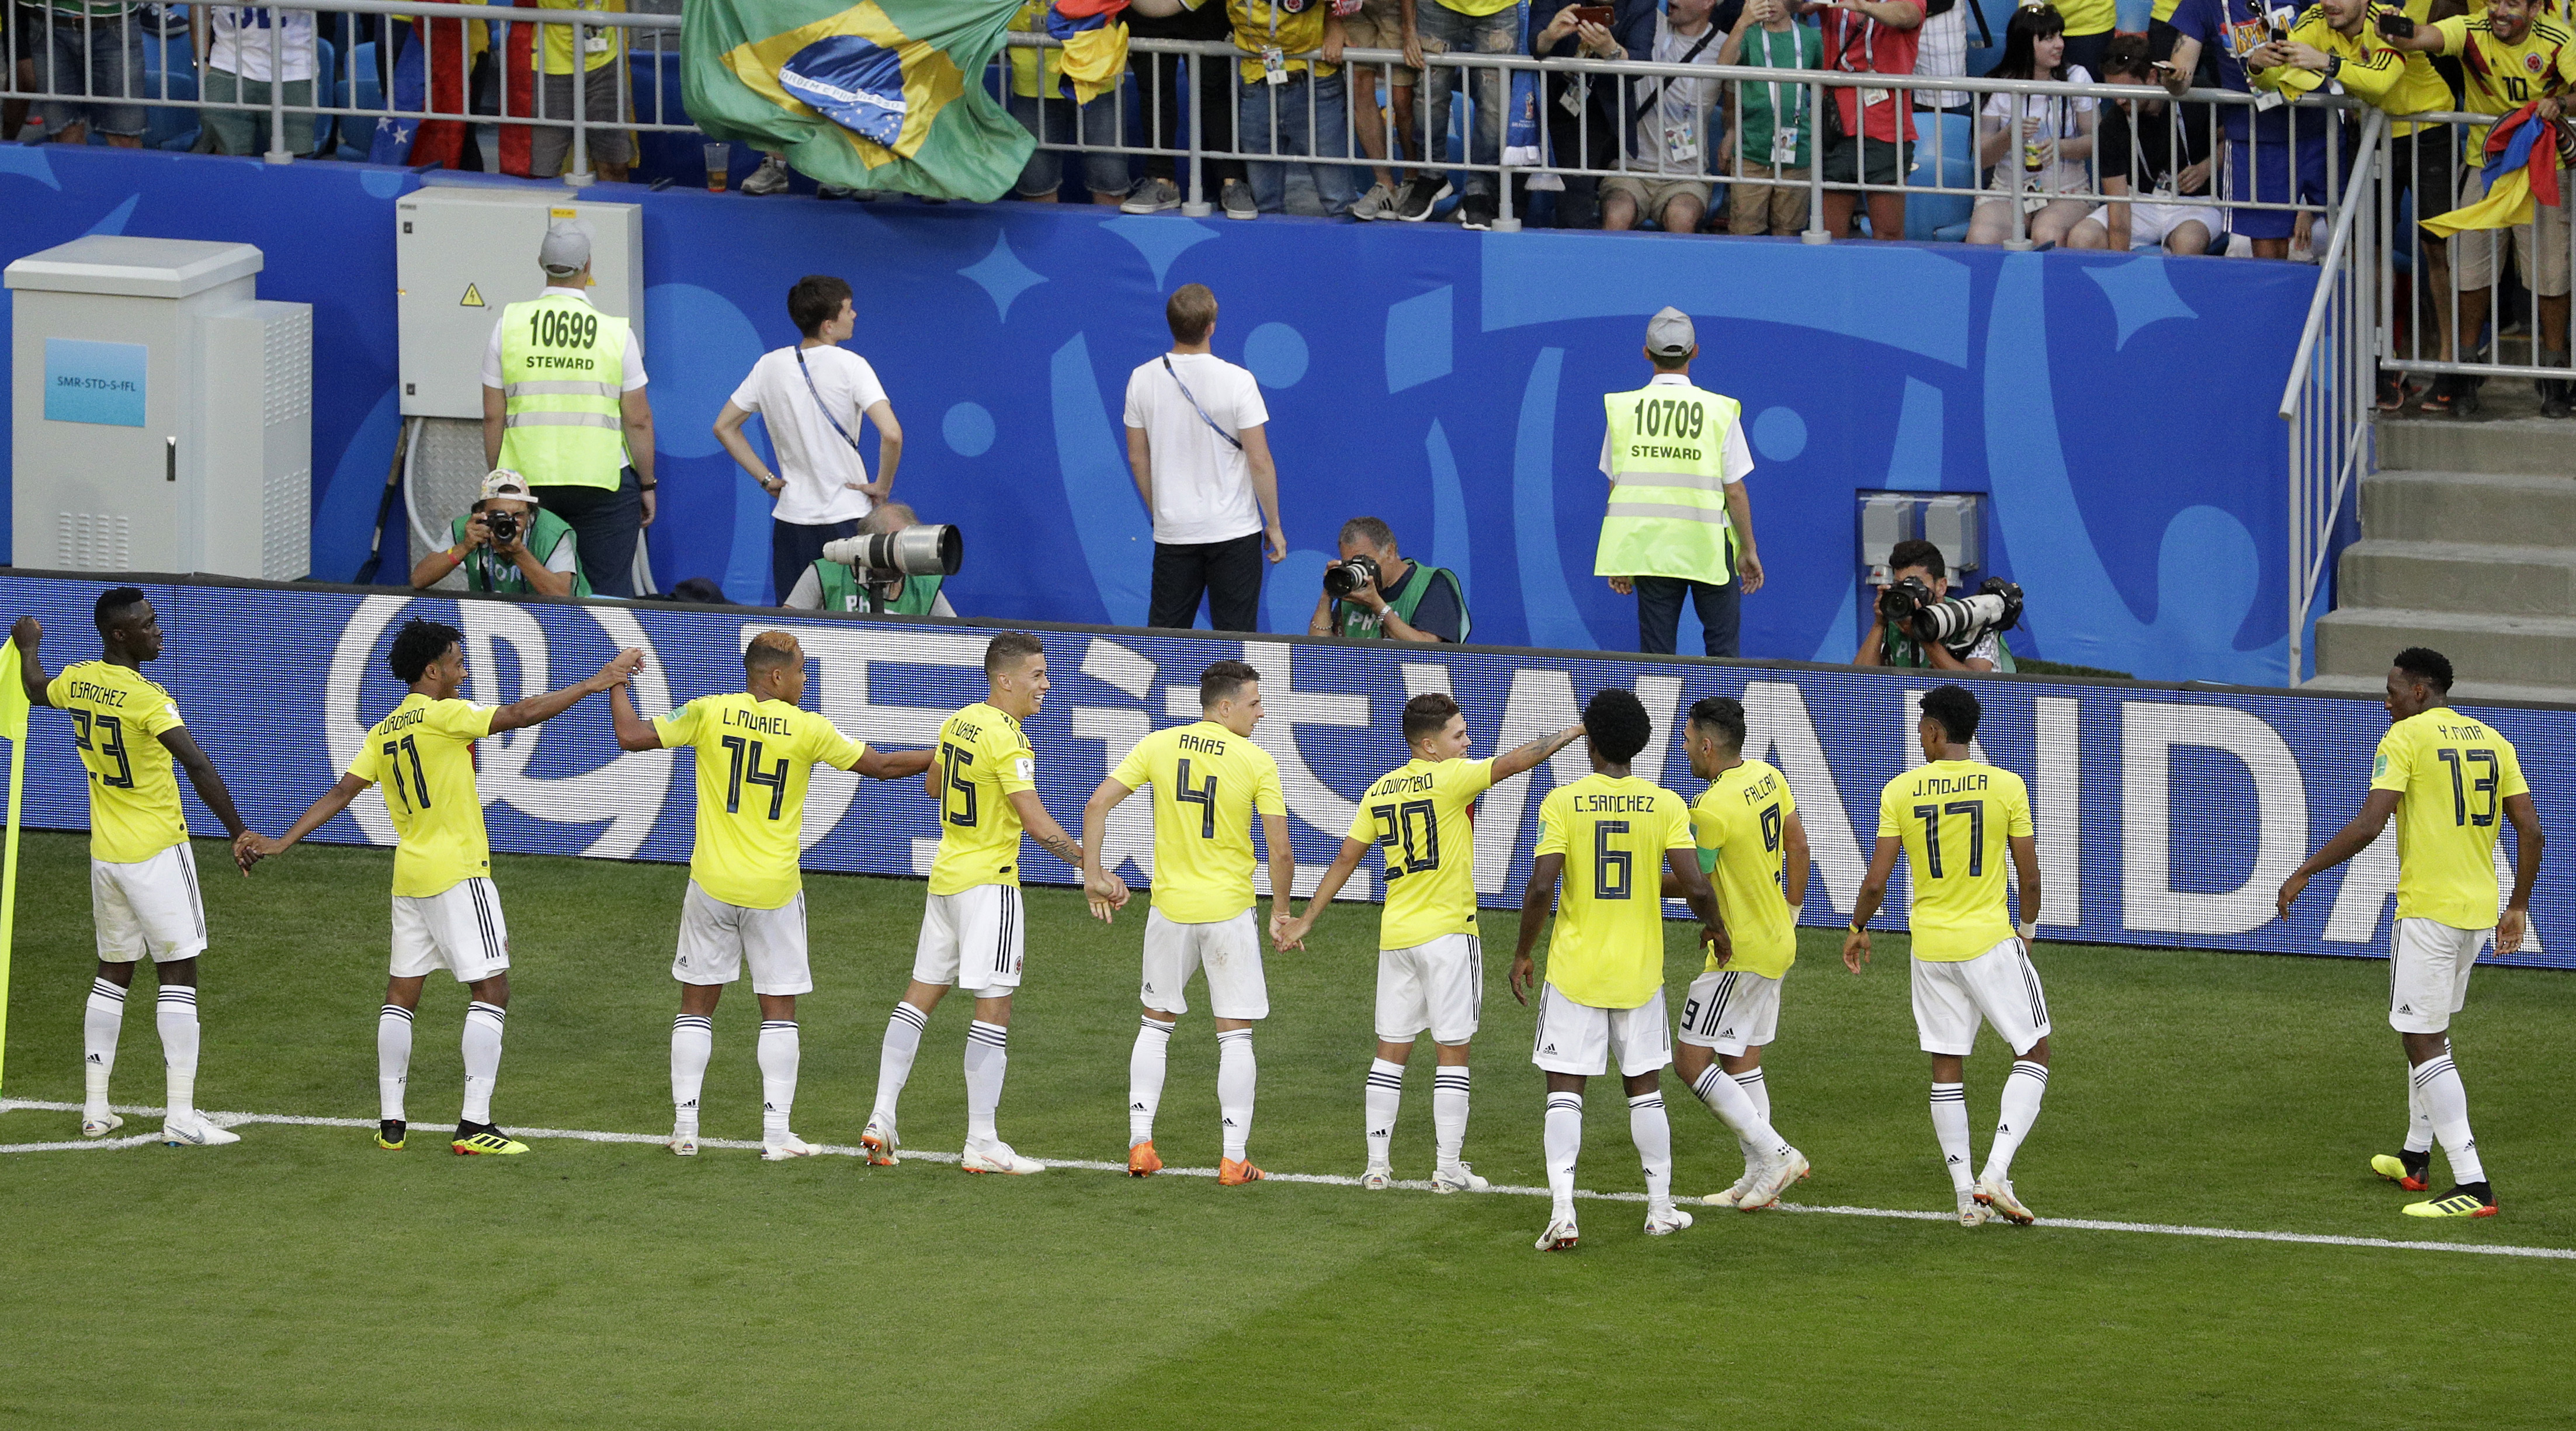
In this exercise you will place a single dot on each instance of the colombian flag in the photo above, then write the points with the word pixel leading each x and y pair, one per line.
pixel 886 94
pixel 1095 45
pixel 2522 158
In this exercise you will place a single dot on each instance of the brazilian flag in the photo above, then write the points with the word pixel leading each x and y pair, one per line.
pixel 886 94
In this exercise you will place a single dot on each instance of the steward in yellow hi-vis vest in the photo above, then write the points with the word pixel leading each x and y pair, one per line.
pixel 1678 521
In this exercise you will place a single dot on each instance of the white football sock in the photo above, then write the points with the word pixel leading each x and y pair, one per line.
pixel 1734 1107
pixel 1950 1123
pixel 2446 1102
pixel 1145 1070
pixel 393 1060
pixel 1381 1096
pixel 894 1063
pixel 1449 1111
pixel 482 1059
pixel 1654 1135
pixel 2022 1091
pixel 101 1021
pixel 1563 1142
pixel 1759 1090
pixel 988 1056
pixel 176 1016
pixel 780 1049
pixel 1234 1081
pixel 2419 1124
pixel 693 1042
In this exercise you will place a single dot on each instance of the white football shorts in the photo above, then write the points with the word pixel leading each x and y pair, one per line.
pixel 1731 1010
pixel 717 939
pixel 1228 949
pixel 1578 1038
pixel 149 906
pixel 1439 986
pixel 1999 986
pixel 459 929
pixel 2428 973
pixel 971 939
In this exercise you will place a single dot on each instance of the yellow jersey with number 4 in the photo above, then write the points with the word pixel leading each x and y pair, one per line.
pixel 1422 818
pixel 1608 947
pixel 2452 776
pixel 755 758
pixel 118 719
pixel 1739 822
pixel 422 755
pixel 1208 784
pixel 982 760
pixel 1954 817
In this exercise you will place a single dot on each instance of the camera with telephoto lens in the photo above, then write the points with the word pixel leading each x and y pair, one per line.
pixel 1958 622
pixel 1345 577
pixel 504 527
pixel 883 558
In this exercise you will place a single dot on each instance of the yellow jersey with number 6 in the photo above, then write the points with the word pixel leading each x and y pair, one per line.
pixel 1422 818
pixel 1738 823
pixel 982 760
pixel 422 755
pixel 1208 784
pixel 1955 817
pixel 2452 776
pixel 1607 950
pixel 755 758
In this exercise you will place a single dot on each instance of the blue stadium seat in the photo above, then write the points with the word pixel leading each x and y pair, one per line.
pixel 169 58
pixel 360 86
pixel 325 65
pixel 1942 216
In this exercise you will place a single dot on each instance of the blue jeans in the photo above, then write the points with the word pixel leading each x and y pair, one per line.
pixel 1444 29
pixel 102 57
pixel 1331 135
pixel 1052 118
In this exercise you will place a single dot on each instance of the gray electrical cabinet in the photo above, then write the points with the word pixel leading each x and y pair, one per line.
pixel 162 414
pixel 463 251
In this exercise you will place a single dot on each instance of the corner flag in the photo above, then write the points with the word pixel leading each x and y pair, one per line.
pixel 13 728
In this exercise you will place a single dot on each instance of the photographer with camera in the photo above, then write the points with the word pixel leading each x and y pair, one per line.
pixel 1373 593
pixel 508 544
pixel 1916 622
pixel 840 579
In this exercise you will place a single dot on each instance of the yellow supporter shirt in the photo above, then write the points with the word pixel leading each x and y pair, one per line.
pixel 1738 823
pixel 1261 24
pixel 422 754
pixel 2089 17
pixel 2452 776
pixel 2398 81
pixel 1208 783
pixel 1608 947
pixel 118 718
pixel 1422 818
pixel 755 758
pixel 1954 817
pixel 602 43
pixel 2499 78
pixel 983 760
pixel 1027 65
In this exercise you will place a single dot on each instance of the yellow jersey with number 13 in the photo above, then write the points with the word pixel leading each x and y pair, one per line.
pixel 1954 817
pixel 1738 823
pixel 1607 950
pixel 1422 818
pixel 755 758
pixel 1208 784
pixel 982 760
pixel 422 755
pixel 2452 776
pixel 118 719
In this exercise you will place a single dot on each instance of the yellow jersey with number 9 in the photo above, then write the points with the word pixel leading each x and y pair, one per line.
pixel 982 760
pixel 1607 950
pixel 1954 817
pixel 118 719
pixel 1208 784
pixel 755 758
pixel 1739 822
pixel 2452 776
pixel 422 755
pixel 1422 818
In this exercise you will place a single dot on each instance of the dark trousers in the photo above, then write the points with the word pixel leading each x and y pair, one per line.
pixel 1659 613
pixel 1588 140
pixel 1227 573
pixel 606 523
pixel 794 547
pixel 1159 97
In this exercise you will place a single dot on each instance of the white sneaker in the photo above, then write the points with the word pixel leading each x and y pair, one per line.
pixel 1560 1235
pixel 880 1142
pixel 1378 1178
pixel 192 1130
pixel 1775 1175
pixel 1457 1178
pixel 778 1150
pixel 998 1158
pixel 1972 1213
pixel 1731 1196
pixel 1997 1195
pixel 101 1126
pixel 1665 1220
pixel 684 1144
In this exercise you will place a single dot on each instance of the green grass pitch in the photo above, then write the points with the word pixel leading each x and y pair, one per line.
pixel 304 1279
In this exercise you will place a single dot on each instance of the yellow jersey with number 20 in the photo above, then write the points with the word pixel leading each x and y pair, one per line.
pixel 1739 822
pixel 755 758
pixel 1607 950
pixel 982 759
pixel 1954 817
pixel 1422 818
pixel 118 719
pixel 1208 784
pixel 422 755
pixel 2452 776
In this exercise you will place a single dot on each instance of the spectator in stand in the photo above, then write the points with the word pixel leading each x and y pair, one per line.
pixel 1042 101
pixel 1771 146
pixel 1876 142
pixel 1581 110
pixel 1921 561
pixel 508 544
pixel 829 585
pixel 1486 27
pixel 2048 136
pixel 92 48
pixel 1198 440
pixel 1161 103
pixel 1941 52
pixel 2149 146
pixel 2089 24
pixel 601 105
pixel 1664 167
pixel 2264 164
pixel 1383 25
pixel 1299 109
pixel 248 43
pixel 1407 602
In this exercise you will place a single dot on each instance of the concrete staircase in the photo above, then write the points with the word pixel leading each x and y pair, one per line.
pixel 2468 546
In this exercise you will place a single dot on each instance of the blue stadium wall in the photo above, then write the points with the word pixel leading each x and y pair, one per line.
pixel 2118 409
pixel 2166 816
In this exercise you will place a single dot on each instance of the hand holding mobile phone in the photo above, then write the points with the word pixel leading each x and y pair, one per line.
pixel 1592 14
pixel 2396 26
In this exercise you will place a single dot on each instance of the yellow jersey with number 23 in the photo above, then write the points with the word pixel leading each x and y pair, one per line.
pixel 1954 817
pixel 1422 818
pixel 422 755
pixel 2452 776
pixel 118 719
pixel 1607 950
pixel 982 759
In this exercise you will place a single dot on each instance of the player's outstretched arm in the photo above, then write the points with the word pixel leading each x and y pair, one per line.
pixel 891 764
pixel 30 633
pixel 184 749
pixel 1527 757
pixel 1682 868
pixel 250 847
pixel 1797 864
pixel 1538 900
pixel 633 731
pixel 2516 921
pixel 1043 828
pixel 1336 874
pixel 1873 893
pixel 2349 841
pixel 1106 892
pixel 1283 870
pixel 2025 858
pixel 535 709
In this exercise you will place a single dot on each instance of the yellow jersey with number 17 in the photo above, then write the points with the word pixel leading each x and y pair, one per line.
pixel 983 759
pixel 1954 817
pixel 422 755
pixel 1422 818
pixel 1208 784
pixel 2452 776
pixel 1739 822
pixel 118 719
pixel 1607 950
pixel 755 758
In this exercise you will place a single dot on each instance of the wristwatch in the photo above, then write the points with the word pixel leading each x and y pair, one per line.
pixel 2334 66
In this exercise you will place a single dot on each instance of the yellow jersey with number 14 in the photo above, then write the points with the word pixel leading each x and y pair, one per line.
pixel 755 758
pixel 422 755
pixel 1738 823
pixel 1954 817
pixel 1422 818
pixel 982 760
pixel 1607 950
pixel 1208 784
pixel 118 719
pixel 2452 776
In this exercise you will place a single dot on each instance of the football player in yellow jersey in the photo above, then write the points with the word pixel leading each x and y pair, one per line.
pixel 446 915
pixel 2446 777
pixel 984 777
pixel 755 751
pixel 1954 820
pixel 1604 999
pixel 142 870
pixel 1209 780
pixel 1754 849
pixel 1430 959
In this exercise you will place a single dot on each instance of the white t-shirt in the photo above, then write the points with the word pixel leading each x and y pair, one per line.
pixel 1673 132
pixel 2058 119
pixel 634 346
pixel 242 36
pixel 1738 457
pixel 1202 483
pixel 817 462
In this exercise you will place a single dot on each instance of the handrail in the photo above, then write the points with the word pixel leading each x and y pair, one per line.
pixel 2355 183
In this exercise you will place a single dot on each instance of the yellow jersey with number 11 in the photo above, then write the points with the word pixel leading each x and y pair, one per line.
pixel 1955 817
pixel 1607 950
pixel 2452 776
pixel 982 760
pixel 422 755
pixel 1422 818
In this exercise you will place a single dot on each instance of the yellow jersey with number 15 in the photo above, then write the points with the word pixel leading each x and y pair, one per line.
pixel 2452 776
pixel 982 760
pixel 1739 822
pixel 118 719
pixel 422 755
pixel 1607 950
pixel 1208 784
pixel 1422 818
pixel 1954 817
pixel 755 758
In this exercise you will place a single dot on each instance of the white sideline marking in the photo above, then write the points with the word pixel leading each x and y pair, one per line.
pixel 913 1155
